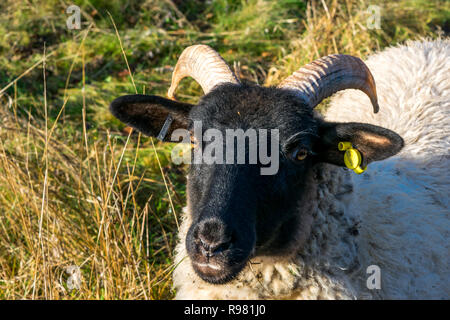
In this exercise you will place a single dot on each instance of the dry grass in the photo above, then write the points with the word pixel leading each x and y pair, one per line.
pixel 90 212
pixel 66 204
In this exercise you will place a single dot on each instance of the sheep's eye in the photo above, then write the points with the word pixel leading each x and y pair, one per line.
pixel 300 154
pixel 194 142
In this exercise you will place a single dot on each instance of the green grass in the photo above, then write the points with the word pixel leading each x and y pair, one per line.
pixel 75 189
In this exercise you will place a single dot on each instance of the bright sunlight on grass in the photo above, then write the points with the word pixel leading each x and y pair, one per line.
pixel 89 209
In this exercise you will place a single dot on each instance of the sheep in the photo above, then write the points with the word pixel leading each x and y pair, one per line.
pixel 316 229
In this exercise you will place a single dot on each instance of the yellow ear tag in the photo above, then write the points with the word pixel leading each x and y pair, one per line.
pixel 352 157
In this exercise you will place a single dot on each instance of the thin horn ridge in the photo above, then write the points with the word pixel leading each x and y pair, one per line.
pixel 205 65
pixel 327 75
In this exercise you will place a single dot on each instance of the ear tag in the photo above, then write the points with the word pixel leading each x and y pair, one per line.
pixel 352 157
pixel 165 128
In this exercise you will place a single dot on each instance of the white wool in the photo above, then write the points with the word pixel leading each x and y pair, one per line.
pixel 405 199
pixel 400 205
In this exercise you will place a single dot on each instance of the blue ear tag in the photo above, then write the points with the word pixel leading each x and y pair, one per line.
pixel 165 128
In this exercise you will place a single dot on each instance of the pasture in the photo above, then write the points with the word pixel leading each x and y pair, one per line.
pixel 90 209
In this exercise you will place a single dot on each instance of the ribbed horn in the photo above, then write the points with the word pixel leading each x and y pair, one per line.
pixel 325 76
pixel 205 65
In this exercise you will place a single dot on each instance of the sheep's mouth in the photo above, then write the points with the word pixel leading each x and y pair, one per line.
pixel 217 272
pixel 215 256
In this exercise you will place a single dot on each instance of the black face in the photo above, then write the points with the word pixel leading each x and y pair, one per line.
pixel 236 211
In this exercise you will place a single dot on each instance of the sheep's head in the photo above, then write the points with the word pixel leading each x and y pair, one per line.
pixel 236 210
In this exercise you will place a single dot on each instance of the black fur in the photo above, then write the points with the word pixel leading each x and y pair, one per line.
pixel 358 134
pixel 148 113
pixel 237 212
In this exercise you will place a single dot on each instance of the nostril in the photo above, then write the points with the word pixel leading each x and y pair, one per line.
pixel 216 246
pixel 204 243
pixel 212 236
pixel 221 247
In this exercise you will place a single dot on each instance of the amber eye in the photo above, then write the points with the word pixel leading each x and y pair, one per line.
pixel 300 154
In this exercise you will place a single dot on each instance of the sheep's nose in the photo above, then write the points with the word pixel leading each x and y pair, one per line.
pixel 213 237
pixel 209 249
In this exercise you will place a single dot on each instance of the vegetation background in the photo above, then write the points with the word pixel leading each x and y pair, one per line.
pixel 89 209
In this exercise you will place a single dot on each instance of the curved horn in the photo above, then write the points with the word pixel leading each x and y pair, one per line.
pixel 327 75
pixel 205 65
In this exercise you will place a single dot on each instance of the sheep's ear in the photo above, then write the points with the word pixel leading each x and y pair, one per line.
pixel 374 143
pixel 152 115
